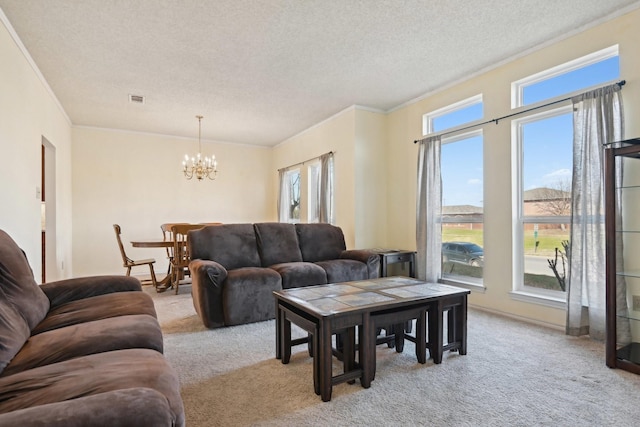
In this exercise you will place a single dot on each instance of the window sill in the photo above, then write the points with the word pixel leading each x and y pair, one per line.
pixel 472 286
pixel 548 301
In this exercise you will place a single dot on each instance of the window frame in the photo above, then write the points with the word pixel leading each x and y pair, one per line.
pixel 518 86
pixel 454 278
pixel 519 220
pixel 288 175
pixel 427 119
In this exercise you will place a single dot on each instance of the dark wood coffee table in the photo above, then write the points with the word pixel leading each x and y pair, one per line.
pixel 340 308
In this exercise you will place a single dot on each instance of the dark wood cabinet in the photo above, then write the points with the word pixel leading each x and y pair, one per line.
pixel 622 223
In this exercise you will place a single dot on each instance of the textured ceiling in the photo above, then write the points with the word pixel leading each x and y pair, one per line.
pixel 263 71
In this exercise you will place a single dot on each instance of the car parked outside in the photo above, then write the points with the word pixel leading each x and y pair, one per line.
pixel 463 252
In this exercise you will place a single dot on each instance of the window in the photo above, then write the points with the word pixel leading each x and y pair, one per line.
pixel 462 190
pixel 292 196
pixel 588 71
pixel 544 160
pixel 543 163
pixel 314 192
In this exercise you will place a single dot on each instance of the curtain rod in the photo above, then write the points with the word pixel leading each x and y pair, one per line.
pixel 306 161
pixel 620 83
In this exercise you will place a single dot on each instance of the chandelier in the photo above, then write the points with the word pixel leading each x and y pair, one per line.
pixel 198 166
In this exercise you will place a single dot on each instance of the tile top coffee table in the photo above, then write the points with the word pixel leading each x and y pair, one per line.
pixel 325 310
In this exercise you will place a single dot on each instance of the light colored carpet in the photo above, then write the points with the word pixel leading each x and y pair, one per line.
pixel 514 374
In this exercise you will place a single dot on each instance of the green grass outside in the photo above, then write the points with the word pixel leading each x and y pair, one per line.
pixel 549 241
pixel 540 281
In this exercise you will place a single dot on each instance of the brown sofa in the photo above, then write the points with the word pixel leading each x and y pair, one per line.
pixel 80 352
pixel 236 267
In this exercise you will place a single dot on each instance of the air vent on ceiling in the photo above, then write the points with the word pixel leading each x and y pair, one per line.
pixel 136 99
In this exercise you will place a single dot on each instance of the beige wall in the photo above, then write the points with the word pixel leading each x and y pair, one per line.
pixel 405 125
pixel 28 112
pixel 370 213
pixel 135 180
pixel 335 134
pixel 357 136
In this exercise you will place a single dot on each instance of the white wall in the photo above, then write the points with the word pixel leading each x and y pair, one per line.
pixel 136 180
pixel 29 112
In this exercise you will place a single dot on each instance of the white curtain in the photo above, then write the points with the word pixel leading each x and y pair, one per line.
pixel 429 210
pixel 597 120
pixel 283 197
pixel 325 197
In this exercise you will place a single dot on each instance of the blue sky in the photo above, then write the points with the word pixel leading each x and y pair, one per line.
pixel 547 143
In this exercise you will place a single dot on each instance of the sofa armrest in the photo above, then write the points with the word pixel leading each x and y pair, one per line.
pixel 63 291
pixel 372 260
pixel 207 280
pixel 127 407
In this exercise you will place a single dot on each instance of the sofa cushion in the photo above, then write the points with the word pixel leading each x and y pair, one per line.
pixel 277 243
pixel 320 242
pixel 344 270
pixel 58 345
pixel 14 331
pixel 299 274
pixel 18 284
pixel 112 408
pixel 95 308
pixel 248 295
pixel 231 245
pixel 93 375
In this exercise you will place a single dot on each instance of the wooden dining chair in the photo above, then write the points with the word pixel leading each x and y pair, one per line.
pixel 167 236
pixel 129 263
pixel 181 257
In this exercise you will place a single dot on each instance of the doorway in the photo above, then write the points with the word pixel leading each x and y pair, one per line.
pixel 48 212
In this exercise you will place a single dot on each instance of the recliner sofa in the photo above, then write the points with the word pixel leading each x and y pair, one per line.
pixel 80 352
pixel 236 267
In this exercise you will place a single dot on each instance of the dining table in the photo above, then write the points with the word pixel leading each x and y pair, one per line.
pixel 167 242
pixel 166 282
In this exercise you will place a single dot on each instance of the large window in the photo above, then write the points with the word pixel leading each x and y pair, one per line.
pixel 462 190
pixel 544 159
pixel 291 190
pixel 543 165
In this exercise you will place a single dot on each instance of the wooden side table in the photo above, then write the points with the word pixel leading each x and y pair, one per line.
pixel 394 256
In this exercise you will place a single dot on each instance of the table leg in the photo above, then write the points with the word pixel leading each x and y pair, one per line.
pixel 285 338
pixel 462 325
pixel 278 331
pixel 398 330
pixel 421 337
pixel 412 265
pixel 367 350
pixel 316 362
pixel 324 356
pixel 349 351
pixel 435 331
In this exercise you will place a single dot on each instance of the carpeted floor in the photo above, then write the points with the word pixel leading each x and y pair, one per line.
pixel 515 374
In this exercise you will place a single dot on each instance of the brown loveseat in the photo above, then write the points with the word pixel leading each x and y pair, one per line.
pixel 80 352
pixel 236 267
